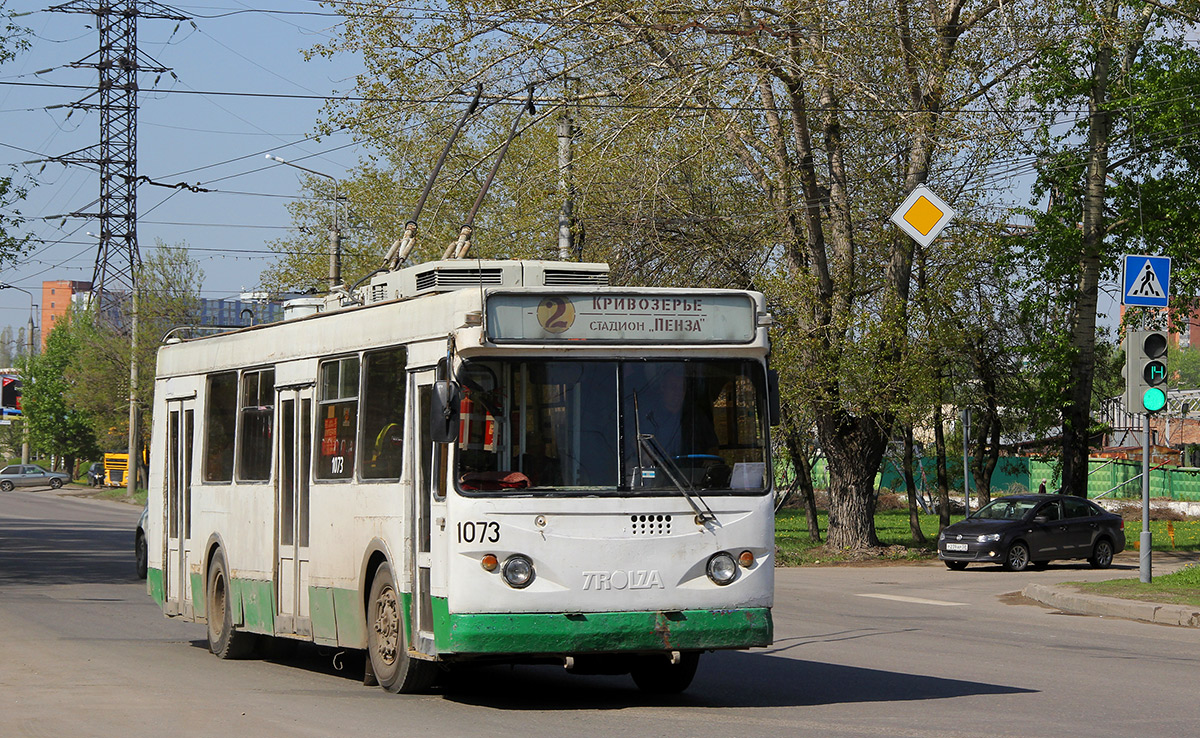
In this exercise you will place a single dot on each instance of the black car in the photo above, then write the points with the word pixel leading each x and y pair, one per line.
pixel 1031 530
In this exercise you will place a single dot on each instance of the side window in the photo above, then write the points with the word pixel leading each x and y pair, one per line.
pixel 383 414
pixel 254 432
pixel 220 419
pixel 338 408
pixel 1077 508
pixel 11 470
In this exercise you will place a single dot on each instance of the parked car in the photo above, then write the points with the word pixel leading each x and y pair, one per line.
pixel 95 474
pixel 139 545
pixel 1031 530
pixel 31 475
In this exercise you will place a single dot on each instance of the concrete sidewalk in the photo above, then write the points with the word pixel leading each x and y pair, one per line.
pixel 1070 599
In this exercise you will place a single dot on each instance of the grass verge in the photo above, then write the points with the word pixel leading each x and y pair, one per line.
pixel 794 548
pixel 119 494
pixel 1180 588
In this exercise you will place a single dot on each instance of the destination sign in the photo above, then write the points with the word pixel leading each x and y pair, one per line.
pixel 621 318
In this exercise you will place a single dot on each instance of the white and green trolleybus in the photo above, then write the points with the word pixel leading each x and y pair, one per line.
pixel 476 460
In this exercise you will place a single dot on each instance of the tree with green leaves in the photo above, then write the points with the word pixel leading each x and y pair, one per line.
pixel 169 283
pixel 1116 173
pixel 756 147
pixel 12 41
pixel 56 425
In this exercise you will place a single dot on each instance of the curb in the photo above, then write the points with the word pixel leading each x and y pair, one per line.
pixel 1113 607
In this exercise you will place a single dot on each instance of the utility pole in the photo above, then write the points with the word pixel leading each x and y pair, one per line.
pixel 566 186
pixel 966 429
pixel 335 232
pixel 114 277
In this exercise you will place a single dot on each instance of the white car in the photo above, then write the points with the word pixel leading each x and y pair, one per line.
pixel 31 475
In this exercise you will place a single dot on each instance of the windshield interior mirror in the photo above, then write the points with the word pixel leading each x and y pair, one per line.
pixel 444 410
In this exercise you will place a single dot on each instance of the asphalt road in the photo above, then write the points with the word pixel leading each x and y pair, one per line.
pixel 912 650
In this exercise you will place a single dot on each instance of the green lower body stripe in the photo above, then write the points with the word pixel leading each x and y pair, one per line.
pixel 605 632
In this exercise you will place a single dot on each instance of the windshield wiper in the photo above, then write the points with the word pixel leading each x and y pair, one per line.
pixel 649 445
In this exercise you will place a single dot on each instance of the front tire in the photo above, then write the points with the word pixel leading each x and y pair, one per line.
pixel 55 483
pixel 1017 558
pixel 223 639
pixel 1102 554
pixel 657 675
pixel 387 641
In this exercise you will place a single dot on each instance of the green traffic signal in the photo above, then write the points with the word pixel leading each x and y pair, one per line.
pixel 1154 399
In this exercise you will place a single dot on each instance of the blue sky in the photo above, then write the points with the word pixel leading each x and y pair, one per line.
pixel 242 89
pixel 192 129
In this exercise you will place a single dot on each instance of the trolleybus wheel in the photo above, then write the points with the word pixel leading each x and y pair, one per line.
pixel 387 643
pixel 223 639
pixel 657 675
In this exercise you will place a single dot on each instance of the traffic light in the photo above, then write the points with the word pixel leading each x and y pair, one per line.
pixel 1145 371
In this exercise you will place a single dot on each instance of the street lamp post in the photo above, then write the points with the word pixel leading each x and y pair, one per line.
pixel 335 234
pixel 29 342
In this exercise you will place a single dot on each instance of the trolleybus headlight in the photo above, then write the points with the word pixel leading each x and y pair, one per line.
pixel 517 571
pixel 489 562
pixel 722 569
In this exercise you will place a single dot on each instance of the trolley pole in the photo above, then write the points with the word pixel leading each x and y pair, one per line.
pixel 1144 541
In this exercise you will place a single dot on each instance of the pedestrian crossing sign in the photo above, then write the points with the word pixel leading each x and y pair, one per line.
pixel 1146 281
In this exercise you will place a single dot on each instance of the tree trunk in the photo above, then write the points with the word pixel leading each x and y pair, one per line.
pixel 810 501
pixel 910 484
pixel 804 482
pixel 854 448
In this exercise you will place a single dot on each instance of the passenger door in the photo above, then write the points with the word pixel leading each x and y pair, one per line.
pixel 428 504
pixel 177 583
pixel 1082 525
pixel 292 509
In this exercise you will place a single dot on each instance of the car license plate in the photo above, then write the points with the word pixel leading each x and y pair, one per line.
pixel 956 547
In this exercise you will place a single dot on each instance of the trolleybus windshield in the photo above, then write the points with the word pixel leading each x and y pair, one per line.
pixel 544 427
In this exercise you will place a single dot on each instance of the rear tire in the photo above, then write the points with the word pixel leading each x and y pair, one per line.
pixel 387 641
pixel 1102 554
pixel 6 485
pixel 1017 558
pixel 223 639
pixel 657 675
pixel 956 565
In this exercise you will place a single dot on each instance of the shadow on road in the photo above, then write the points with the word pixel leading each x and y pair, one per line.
pixel 44 552
pixel 727 679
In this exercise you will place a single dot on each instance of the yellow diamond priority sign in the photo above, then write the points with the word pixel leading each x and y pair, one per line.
pixel 923 215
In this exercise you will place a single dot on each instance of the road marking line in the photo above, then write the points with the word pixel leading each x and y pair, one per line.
pixel 914 600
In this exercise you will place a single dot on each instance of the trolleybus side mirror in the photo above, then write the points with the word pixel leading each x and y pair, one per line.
pixel 443 415
pixel 773 409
